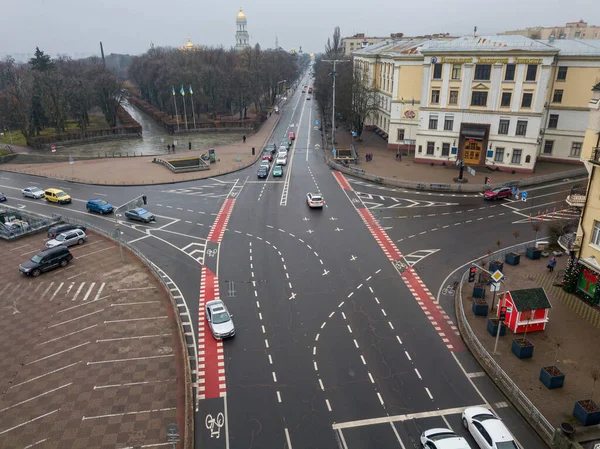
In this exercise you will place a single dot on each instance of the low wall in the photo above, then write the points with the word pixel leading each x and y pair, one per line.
pixel 201 165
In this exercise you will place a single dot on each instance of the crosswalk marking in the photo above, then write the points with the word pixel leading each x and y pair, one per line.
pixel 89 291
pixel 78 291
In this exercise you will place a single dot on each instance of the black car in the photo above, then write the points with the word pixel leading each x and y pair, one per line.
pixel 263 172
pixel 55 230
pixel 140 214
pixel 46 260
pixel 2 197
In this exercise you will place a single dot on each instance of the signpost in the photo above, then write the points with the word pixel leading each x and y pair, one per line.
pixel 172 434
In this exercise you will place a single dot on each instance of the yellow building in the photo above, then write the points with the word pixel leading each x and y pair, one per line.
pixel 572 30
pixel 358 42
pixel 497 101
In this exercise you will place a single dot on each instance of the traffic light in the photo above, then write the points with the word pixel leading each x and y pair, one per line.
pixel 472 272
pixel 502 316
pixel 145 200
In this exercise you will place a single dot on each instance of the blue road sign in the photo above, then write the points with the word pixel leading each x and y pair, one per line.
pixel 333 151
pixel 524 195
pixel 316 122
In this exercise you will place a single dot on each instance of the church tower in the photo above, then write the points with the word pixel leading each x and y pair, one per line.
pixel 242 40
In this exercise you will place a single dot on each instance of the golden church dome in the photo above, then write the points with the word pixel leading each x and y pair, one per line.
pixel 241 14
pixel 189 43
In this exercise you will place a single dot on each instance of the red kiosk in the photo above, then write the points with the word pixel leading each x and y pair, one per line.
pixel 526 310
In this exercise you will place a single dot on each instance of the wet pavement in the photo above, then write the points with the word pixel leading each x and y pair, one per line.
pixel 154 140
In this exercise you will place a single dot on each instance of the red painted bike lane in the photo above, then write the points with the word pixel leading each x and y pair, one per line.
pixel 431 308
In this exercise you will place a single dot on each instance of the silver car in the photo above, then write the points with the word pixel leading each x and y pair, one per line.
pixel 33 192
pixel 219 319
pixel 67 238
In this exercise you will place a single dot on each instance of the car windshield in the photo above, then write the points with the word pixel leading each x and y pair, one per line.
pixel 220 317
pixel 442 436
pixel 101 203
pixel 316 198
pixel 506 445
pixel 61 237
pixel 484 417
pixel 142 211
pixel 60 194
pixel 36 259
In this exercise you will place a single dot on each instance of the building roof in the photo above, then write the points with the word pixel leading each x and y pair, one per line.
pixel 575 47
pixel 500 43
pixel 530 299
pixel 241 14
pixel 397 48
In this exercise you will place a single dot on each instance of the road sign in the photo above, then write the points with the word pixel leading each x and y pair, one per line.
pixel 524 195
pixel 172 433
pixel 458 161
pixel 334 151
pixel 497 276
pixel 494 286
pixel 471 171
pixel 316 122
pixel 508 309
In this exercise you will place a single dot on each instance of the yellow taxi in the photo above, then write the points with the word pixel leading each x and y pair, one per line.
pixel 56 196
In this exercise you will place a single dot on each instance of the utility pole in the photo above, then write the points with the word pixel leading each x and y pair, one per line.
pixel 333 74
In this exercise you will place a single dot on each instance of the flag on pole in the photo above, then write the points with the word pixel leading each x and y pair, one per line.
pixel 182 91
pixel 191 91
pixel 402 100
pixel 173 91
pixel 413 101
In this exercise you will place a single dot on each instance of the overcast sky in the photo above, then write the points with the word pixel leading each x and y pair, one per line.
pixel 75 27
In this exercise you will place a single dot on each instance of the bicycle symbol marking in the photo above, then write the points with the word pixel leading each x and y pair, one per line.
pixel 211 252
pixel 233 194
pixel 448 290
pixel 214 425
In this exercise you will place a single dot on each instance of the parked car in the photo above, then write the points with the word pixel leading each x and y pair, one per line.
pixel 315 200
pixel 292 135
pixel 33 192
pixel 219 319
pixel 46 260
pixel 58 229
pixel 100 206
pixel 18 226
pixel 497 194
pixel 68 238
pixel 2 197
pixel 140 214
pixel 488 431
pixel 56 196
pixel 278 171
pixel 443 439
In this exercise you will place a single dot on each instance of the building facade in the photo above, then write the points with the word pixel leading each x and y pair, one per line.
pixel 572 30
pixel 497 101
pixel 242 38
pixel 358 42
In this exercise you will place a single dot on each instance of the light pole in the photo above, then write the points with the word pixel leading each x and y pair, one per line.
pixel 334 61
pixel 282 81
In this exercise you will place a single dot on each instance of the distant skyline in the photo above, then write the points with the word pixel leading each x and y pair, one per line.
pixel 72 28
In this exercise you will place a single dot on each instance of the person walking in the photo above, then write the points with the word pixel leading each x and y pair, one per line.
pixel 551 264
pixel 397 155
pixel 244 138
pixel 168 148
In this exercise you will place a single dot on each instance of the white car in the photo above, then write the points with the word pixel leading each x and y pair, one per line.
pixel 282 153
pixel 33 192
pixel 68 238
pixel 441 438
pixel 219 319
pixel 314 200
pixel 282 160
pixel 488 431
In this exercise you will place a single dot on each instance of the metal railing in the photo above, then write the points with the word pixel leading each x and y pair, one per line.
pixel 493 369
pixel 188 438
pixel 569 241
pixel 35 222
pixel 595 156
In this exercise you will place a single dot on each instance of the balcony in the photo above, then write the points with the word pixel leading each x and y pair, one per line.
pixel 569 242
pixel 577 196
pixel 595 156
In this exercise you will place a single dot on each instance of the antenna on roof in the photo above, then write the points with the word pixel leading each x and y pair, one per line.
pixel 474 30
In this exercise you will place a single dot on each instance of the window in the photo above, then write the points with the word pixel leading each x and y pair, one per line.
pixel 499 156
pixel 456 71
pixel 503 127
pixel 435 96
pixel 575 149
pixel 433 122
pixel 521 128
pixel 528 159
pixel 437 71
pixel 553 121
pixel 449 123
pixel 562 74
pixel 596 234
pixel 483 72
pixel 445 149
pixel 506 97
pixel 516 157
pixel 430 148
pixel 479 98
pixel 526 100
pixel 420 148
pixel 453 97
pixel 509 73
pixel 548 146
pixel 531 72
pixel 400 134
pixel 557 97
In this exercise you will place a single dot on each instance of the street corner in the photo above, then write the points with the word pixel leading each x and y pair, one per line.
pixel 91 350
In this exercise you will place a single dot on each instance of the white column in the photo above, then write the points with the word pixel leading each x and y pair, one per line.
pixel 494 95
pixel 464 101
pixel 425 86
pixel 446 73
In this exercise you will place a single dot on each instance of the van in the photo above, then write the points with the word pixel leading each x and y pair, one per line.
pixel 56 196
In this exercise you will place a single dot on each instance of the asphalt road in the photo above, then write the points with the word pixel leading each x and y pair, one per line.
pixel 329 334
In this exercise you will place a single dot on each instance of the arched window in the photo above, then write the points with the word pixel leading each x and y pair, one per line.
pixel 528 159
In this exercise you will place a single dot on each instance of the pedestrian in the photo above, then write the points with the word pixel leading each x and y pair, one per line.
pixel 397 155
pixel 168 148
pixel 189 145
pixel 517 193
pixel 173 148
pixel 551 264
pixel 244 138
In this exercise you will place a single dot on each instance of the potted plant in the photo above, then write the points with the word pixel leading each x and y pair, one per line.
pixel 494 324
pixel 533 253
pixel 478 290
pixel 497 264
pixel 480 307
pixel 512 258
pixel 522 348
pixel 587 412
pixel 552 377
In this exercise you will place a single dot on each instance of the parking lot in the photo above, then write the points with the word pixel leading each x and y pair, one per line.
pixel 90 353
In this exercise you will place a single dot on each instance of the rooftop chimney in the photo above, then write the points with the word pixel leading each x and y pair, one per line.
pixel 551 38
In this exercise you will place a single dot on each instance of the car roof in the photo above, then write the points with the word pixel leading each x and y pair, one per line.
pixel 497 430
pixel 216 304
pixel 53 190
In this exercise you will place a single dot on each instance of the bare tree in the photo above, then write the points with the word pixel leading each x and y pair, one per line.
pixel 364 101
pixel 334 48
pixel 109 96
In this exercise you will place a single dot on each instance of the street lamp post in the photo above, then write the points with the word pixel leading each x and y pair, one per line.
pixel 333 74
pixel 280 82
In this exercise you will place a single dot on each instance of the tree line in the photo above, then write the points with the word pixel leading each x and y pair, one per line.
pixel 356 98
pixel 46 93
pixel 223 81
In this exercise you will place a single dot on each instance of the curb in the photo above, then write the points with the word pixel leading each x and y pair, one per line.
pixel 151 184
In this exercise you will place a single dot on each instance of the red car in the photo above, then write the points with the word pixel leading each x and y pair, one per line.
pixel 292 135
pixel 497 194
pixel 310 90
pixel 267 155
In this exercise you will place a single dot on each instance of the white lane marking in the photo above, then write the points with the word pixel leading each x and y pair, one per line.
pixel 328 404
pixel 429 393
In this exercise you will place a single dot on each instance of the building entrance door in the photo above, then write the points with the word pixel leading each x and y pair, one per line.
pixel 472 151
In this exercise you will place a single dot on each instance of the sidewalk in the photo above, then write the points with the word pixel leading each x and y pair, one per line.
pixel 572 324
pixel 385 165
pixel 141 170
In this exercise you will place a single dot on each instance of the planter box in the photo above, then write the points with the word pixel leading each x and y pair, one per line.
pixel 552 377
pixel 587 412
pixel 533 253
pixel 479 290
pixel 480 307
pixel 492 327
pixel 512 258
pixel 520 350
pixel 496 265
